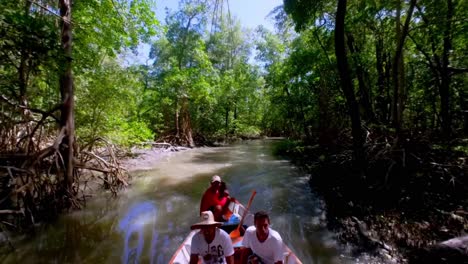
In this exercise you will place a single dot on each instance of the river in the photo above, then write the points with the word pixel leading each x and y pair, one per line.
pixel 147 221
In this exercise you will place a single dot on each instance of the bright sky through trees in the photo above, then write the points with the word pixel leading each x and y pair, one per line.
pixel 251 13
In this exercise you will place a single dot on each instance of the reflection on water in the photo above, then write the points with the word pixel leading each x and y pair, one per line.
pixel 148 221
pixel 132 225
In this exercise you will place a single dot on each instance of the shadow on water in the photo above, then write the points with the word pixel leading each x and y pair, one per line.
pixel 148 221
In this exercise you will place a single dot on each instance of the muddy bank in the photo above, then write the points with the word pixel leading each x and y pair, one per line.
pixel 148 155
pixel 405 204
pixel 145 159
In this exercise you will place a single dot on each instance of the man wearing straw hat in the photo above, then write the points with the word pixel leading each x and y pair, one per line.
pixel 211 243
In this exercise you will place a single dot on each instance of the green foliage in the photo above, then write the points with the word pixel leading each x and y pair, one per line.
pixel 28 44
pixel 203 71
pixel 247 131
pixel 110 98
pixel 303 12
pixel 462 148
pixel 129 133
pixel 107 28
pixel 107 95
pixel 210 69
pixel 109 103
pixel 310 66
pixel 288 147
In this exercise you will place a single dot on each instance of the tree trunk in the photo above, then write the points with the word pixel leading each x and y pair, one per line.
pixel 226 122
pixel 186 131
pixel 465 123
pixel 177 136
pixel 399 92
pixel 325 136
pixel 23 68
pixel 388 85
pixel 444 89
pixel 186 125
pixel 67 95
pixel 364 91
pixel 23 77
pixel 381 98
pixel 305 125
pixel 236 114
pixel 347 86
pixel 396 70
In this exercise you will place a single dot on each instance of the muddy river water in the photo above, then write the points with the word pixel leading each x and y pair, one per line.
pixel 147 222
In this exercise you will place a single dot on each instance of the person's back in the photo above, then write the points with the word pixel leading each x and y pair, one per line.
pixel 265 243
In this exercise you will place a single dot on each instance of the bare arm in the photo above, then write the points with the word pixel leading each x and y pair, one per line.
pixel 194 259
pixel 229 260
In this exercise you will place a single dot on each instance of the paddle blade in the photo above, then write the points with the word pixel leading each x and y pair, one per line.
pixel 235 233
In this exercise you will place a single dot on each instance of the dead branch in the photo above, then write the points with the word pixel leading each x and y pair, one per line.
pixel 11 168
pixel 97 158
pixel 443 165
pixel 24 187
pixel 11 212
pixel 84 166
pixel 45 114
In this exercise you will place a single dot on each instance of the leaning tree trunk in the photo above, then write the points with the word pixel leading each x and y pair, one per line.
pixel 67 122
pixel 347 86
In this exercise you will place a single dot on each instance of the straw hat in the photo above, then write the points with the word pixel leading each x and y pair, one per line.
pixel 207 219
pixel 215 178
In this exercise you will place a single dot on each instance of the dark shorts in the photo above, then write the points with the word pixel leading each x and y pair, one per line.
pixel 229 228
pixel 255 259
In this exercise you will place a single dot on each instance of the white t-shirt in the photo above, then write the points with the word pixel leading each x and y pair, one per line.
pixel 220 248
pixel 270 250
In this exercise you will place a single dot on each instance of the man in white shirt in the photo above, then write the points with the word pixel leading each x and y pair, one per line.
pixel 211 243
pixel 265 243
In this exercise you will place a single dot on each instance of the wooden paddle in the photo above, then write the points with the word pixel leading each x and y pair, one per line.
pixel 236 232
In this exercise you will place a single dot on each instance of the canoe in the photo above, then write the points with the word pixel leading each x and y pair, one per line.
pixel 182 254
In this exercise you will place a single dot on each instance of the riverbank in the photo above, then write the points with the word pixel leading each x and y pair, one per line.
pixel 141 158
pixel 406 203
pixel 147 158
